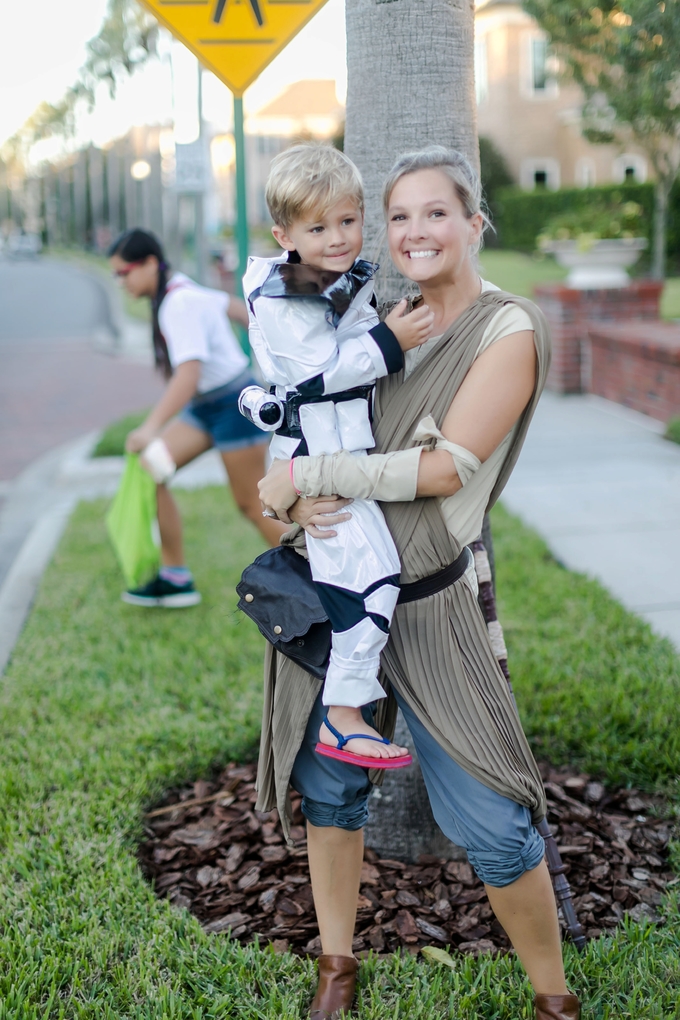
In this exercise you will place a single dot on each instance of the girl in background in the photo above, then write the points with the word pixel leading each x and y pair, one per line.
pixel 199 354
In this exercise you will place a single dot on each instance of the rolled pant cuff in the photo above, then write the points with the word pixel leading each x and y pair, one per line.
pixel 497 868
pixel 350 817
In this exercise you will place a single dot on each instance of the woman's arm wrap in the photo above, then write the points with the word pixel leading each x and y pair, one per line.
pixel 465 462
pixel 390 477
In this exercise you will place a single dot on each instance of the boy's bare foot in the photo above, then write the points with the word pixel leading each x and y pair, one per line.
pixel 350 720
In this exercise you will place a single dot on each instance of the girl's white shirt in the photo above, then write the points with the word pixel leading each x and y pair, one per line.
pixel 193 320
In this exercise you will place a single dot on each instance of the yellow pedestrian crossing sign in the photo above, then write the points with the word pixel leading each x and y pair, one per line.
pixel 235 39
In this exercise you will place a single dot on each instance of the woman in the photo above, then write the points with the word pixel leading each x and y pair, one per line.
pixel 200 356
pixel 448 432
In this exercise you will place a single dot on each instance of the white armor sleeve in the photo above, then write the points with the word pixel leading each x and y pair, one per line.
pixel 299 342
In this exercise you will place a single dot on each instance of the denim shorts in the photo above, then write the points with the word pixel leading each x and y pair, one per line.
pixel 216 412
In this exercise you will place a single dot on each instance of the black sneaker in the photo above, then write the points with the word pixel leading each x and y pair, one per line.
pixel 160 592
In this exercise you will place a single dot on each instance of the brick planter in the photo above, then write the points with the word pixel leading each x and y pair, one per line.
pixel 572 313
pixel 638 366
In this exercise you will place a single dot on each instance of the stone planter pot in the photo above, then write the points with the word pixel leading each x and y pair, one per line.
pixel 602 265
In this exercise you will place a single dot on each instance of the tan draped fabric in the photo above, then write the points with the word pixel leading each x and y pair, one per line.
pixel 439 656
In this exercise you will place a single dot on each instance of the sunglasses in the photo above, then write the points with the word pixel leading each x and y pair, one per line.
pixel 121 273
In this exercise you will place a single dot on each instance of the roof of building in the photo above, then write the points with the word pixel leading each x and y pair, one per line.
pixel 311 98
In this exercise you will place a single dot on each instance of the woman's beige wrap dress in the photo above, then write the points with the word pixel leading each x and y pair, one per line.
pixel 439 656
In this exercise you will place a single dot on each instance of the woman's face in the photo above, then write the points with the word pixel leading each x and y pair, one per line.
pixel 140 279
pixel 429 234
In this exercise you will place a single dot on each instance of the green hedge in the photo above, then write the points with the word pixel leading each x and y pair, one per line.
pixel 519 216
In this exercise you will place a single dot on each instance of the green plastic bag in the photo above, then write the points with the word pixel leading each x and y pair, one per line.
pixel 130 523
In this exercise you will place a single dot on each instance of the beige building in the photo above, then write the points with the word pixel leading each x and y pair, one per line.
pixel 533 119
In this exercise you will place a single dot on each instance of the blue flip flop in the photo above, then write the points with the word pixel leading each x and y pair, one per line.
pixel 360 759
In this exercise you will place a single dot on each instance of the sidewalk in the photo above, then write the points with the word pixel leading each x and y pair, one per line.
pixel 602 487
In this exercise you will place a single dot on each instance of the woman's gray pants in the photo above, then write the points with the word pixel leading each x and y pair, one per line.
pixel 497 833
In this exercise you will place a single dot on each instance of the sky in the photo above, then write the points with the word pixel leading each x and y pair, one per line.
pixel 42 45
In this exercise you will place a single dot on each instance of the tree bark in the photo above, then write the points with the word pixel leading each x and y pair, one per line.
pixel 410 84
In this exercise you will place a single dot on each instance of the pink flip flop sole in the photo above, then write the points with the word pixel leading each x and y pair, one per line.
pixel 362 760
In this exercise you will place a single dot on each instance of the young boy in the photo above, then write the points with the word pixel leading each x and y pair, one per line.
pixel 318 341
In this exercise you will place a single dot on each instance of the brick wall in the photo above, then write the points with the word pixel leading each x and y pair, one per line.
pixel 638 367
pixel 571 313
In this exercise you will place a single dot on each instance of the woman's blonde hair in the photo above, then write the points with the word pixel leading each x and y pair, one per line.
pixel 307 180
pixel 465 181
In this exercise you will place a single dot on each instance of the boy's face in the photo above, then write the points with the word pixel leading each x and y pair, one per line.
pixel 332 242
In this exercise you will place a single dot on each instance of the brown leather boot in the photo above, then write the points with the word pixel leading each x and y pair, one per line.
pixel 337 980
pixel 557 1007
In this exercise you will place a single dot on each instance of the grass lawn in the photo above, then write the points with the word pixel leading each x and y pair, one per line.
pixel 519 273
pixel 103 706
pixel 112 440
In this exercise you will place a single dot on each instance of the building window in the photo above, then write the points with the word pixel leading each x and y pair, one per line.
pixel 481 71
pixel 539 173
pixel 539 56
pixel 629 168
pixel 585 172
pixel 538 69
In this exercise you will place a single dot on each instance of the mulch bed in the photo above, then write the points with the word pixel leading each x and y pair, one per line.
pixel 208 850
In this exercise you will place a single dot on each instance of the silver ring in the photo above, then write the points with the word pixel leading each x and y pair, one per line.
pixel 269 513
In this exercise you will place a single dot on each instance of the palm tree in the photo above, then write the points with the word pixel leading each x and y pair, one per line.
pixel 410 84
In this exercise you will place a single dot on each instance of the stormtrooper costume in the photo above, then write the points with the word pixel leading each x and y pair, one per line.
pixel 320 345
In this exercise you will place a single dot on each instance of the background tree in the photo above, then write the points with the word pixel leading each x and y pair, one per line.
pixel 127 39
pixel 410 84
pixel 625 55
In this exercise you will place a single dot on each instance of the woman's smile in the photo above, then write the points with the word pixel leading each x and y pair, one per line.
pixel 430 253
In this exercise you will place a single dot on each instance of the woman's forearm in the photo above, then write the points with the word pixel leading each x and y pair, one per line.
pixel 181 388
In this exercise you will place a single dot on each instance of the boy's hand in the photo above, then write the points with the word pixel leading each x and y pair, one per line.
pixel 413 329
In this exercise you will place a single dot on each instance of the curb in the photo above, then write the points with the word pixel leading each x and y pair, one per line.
pixel 22 580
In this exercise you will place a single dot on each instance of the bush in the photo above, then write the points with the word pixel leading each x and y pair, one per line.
pixel 520 216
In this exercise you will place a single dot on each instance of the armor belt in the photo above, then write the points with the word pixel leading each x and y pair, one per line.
pixel 291 426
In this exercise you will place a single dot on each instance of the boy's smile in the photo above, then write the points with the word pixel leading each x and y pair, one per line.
pixel 332 242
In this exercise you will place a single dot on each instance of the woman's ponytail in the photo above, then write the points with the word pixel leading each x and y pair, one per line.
pixel 133 246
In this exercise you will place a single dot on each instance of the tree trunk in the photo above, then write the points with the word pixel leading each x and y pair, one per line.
pixel 410 84
pixel 661 193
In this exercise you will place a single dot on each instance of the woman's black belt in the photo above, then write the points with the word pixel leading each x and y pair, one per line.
pixel 434 583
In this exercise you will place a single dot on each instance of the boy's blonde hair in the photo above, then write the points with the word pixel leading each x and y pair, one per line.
pixel 305 181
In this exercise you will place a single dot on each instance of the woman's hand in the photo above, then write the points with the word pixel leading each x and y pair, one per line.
pixel 277 491
pixel 413 329
pixel 139 438
pixel 313 515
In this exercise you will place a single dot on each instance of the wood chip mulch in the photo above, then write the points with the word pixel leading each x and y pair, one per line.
pixel 208 850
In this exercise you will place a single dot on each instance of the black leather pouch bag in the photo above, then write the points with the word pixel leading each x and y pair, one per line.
pixel 277 592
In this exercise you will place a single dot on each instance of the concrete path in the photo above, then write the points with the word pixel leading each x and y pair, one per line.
pixel 602 486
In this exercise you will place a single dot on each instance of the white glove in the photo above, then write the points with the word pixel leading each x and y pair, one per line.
pixel 156 459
